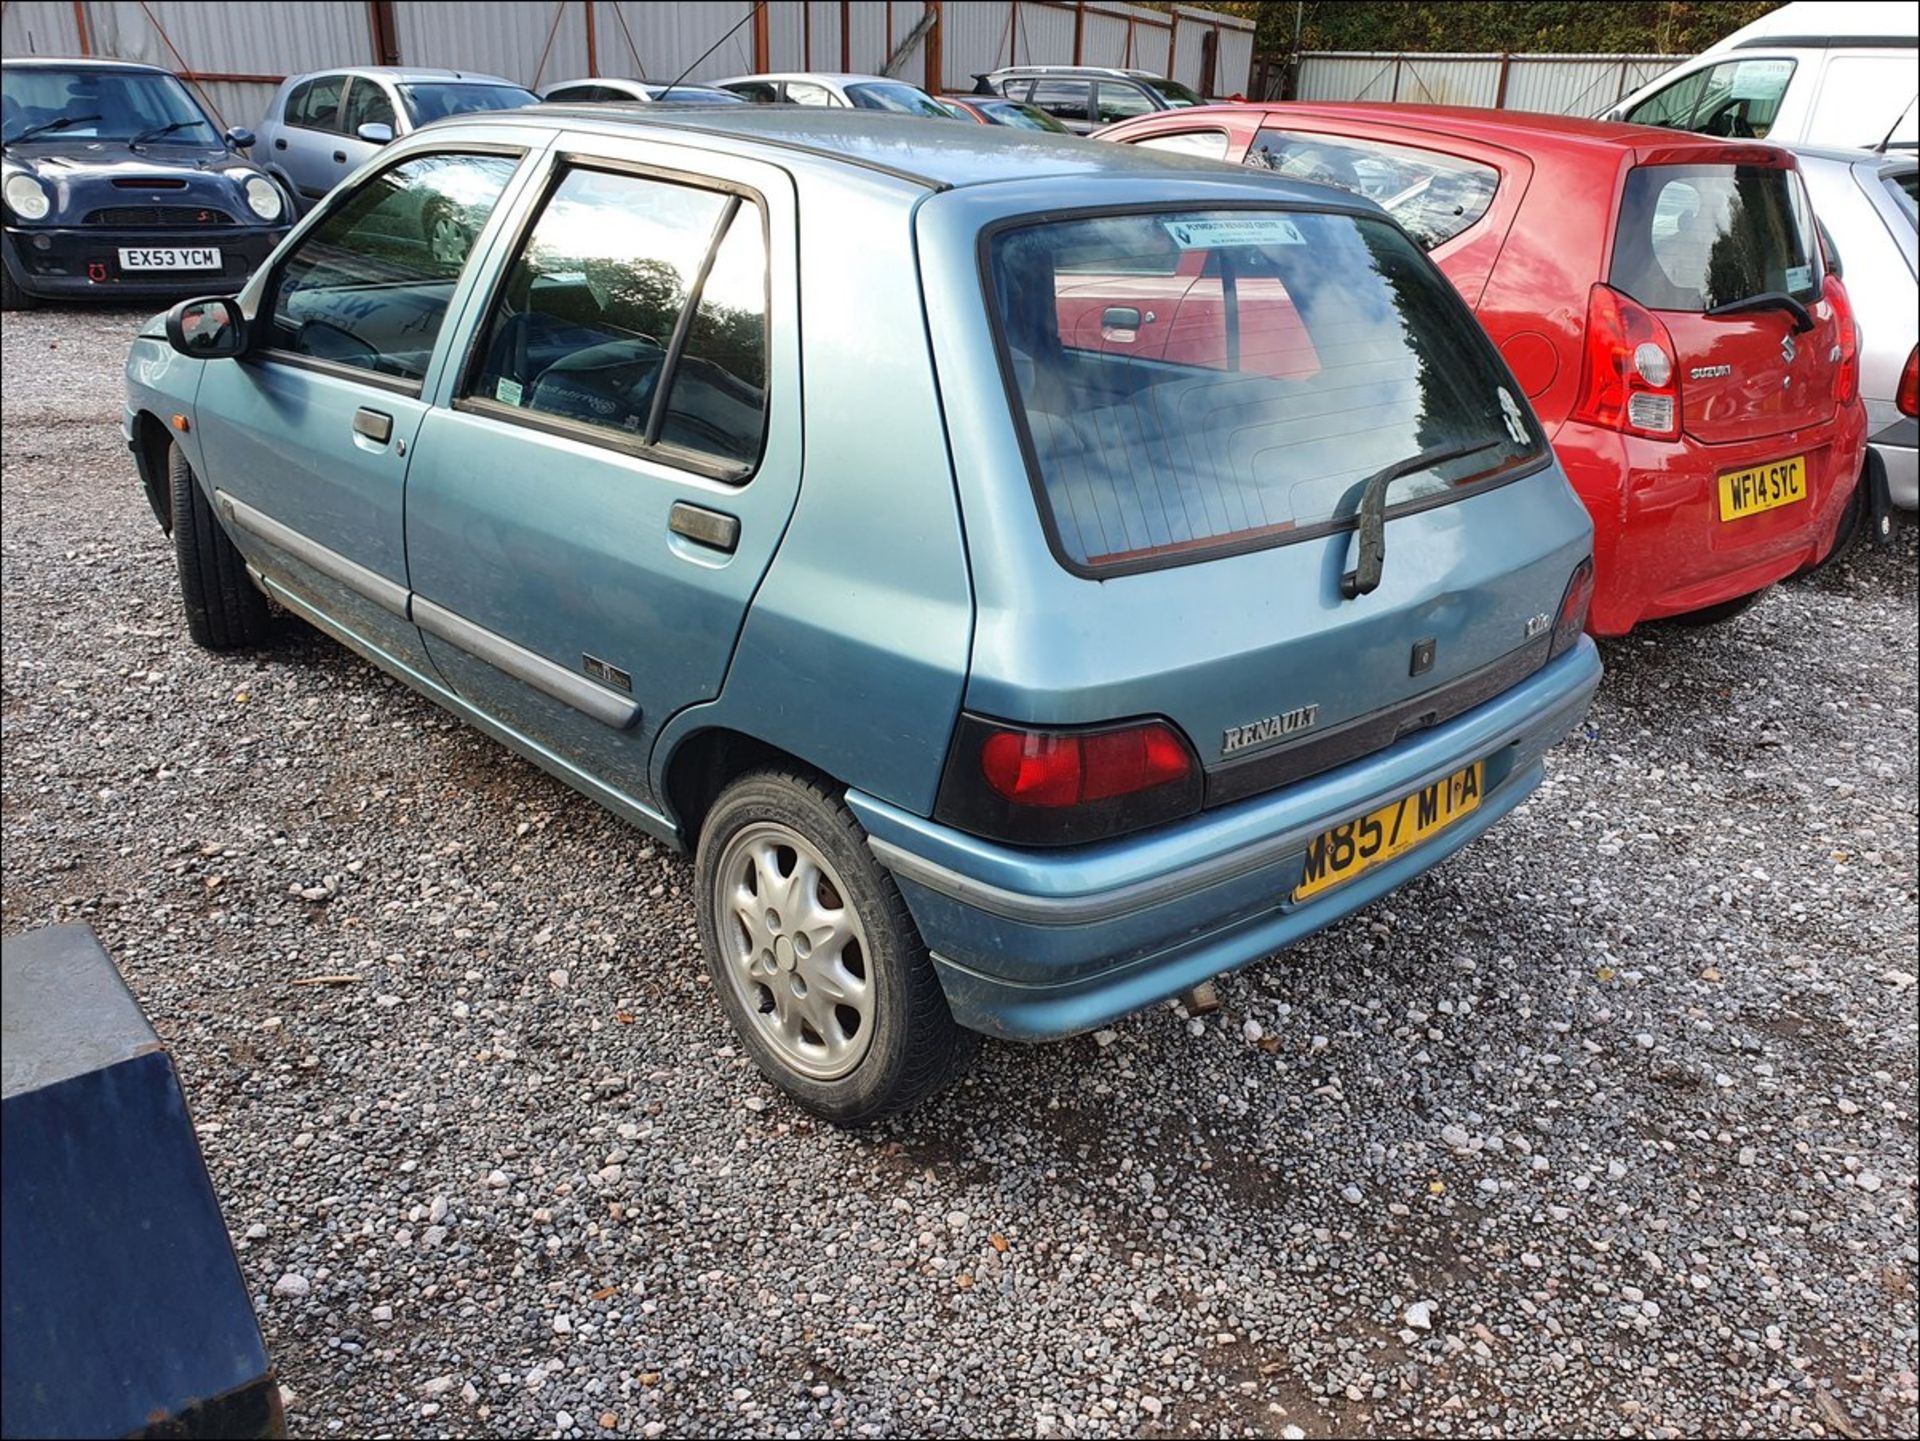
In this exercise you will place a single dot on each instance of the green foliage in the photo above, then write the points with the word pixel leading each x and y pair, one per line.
pixel 1651 27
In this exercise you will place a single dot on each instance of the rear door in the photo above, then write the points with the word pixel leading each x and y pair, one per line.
pixel 1726 255
pixel 589 515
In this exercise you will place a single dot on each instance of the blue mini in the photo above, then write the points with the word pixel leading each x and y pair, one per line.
pixel 1032 577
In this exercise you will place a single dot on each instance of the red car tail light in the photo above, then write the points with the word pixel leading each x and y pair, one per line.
pixel 1907 398
pixel 1572 617
pixel 1630 377
pixel 1062 786
pixel 1846 377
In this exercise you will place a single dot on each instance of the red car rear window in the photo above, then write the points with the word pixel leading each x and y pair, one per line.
pixel 1693 237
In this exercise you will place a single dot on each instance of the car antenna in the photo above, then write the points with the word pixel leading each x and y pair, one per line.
pixel 758 6
pixel 1887 139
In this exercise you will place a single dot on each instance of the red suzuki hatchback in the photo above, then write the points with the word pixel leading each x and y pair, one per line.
pixel 1661 298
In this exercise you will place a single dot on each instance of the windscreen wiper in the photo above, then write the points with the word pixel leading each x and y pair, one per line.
pixel 157 131
pixel 59 122
pixel 1770 300
pixel 1364 578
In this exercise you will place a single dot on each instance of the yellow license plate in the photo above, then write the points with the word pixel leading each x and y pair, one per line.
pixel 1345 851
pixel 1763 487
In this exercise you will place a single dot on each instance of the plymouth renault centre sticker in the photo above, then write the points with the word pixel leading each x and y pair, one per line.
pixel 1217 230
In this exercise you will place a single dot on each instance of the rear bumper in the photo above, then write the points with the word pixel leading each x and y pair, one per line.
pixel 1031 945
pixel 84 263
pixel 1898 446
pixel 1660 547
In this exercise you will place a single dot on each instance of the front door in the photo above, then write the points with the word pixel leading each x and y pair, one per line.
pixel 588 516
pixel 305 443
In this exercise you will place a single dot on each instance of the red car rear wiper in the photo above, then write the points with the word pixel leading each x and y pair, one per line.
pixel 1769 300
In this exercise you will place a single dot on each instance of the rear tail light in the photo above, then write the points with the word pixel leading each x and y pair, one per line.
pixel 1907 398
pixel 1630 376
pixel 1846 374
pixel 1059 786
pixel 1572 618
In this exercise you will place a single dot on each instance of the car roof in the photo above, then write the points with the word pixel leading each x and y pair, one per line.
pixel 1841 155
pixel 409 74
pixel 54 62
pixel 1113 70
pixel 934 154
pixel 1508 127
pixel 1820 24
pixel 837 77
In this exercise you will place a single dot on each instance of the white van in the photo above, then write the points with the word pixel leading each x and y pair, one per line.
pixel 1810 73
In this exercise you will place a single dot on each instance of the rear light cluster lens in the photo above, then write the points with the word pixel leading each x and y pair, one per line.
pixel 1907 398
pixel 1629 379
pixel 1572 618
pixel 1057 786
pixel 1846 374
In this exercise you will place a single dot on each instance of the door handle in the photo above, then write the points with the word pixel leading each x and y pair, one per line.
pixel 341 156
pixel 373 424
pixel 280 143
pixel 703 526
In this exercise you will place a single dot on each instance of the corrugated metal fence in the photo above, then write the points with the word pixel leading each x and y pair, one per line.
pixel 1554 84
pixel 235 53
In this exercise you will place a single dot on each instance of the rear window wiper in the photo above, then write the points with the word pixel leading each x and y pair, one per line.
pixel 1769 300
pixel 1364 578
pixel 59 122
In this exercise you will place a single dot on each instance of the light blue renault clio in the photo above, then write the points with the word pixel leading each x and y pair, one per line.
pixel 1034 578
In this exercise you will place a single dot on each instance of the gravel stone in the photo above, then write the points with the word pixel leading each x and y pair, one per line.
pixel 1696 938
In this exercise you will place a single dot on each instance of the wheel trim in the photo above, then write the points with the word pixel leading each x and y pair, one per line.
pixel 794 950
pixel 446 239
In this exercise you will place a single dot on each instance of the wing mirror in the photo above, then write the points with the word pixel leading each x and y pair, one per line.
pixel 240 139
pixel 210 329
pixel 375 133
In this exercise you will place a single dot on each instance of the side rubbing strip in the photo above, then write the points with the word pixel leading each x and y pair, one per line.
pixel 516 660
pixel 388 595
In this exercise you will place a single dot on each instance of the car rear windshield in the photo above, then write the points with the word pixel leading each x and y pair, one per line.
pixel 1190 382
pixel 1693 237
pixel 437 102
pixel 1904 185
pixel 904 99
pixel 1174 93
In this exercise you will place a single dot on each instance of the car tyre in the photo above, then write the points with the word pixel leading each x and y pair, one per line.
pixel 836 999
pixel 224 610
pixel 12 297
pixel 1715 614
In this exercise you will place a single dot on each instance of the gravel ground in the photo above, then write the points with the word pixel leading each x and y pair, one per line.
pixel 1606 1127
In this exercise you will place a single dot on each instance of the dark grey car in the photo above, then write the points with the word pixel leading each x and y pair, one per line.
pixel 1085 97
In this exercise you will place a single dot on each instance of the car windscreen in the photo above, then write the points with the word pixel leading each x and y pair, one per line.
pixel 1694 237
pixel 100 104
pixel 1173 92
pixel 436 101
pixel 1189 382
pixel 696 95
pixel 903 99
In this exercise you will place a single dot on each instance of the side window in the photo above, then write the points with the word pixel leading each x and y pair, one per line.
pixel 296 103
pixel 319 108
pixel 1017 89
pixel 1207 144
pixel 637 307
pixel 1121 101
pixel 1434 197
pixel 367 104
pixel 369 285
pixel 805 92
pixel 1672 106
pixel 1062 99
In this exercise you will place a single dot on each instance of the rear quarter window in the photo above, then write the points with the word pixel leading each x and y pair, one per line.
pixel 1692 237
pixel 1434 196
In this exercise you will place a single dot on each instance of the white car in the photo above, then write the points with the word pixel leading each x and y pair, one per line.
pixel 854 92
pixel 609 89
pixel 1809 73
pixel 1865 202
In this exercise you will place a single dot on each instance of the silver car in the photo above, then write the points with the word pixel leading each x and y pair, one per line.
pixel 836 91
pixel 1865 201
pixel 617 90
pixel 321 127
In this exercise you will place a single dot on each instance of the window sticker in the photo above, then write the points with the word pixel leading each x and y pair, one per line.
pixel 508 392
pixel 1213 231
pixel 1760 79
pixel 1799 277
pixel 1516 422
